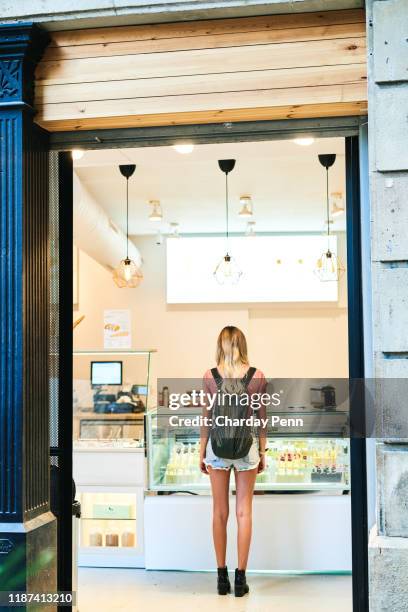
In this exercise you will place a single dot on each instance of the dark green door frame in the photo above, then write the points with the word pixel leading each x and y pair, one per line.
pixel 27 527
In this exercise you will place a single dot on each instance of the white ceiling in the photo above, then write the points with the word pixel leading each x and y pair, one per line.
pixel 285 180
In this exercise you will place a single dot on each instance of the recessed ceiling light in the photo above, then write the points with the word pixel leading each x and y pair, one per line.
pixel 77 154
pixel 184 148
pixel 304 142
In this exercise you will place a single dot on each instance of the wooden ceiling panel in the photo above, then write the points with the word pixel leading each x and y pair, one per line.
pixel 222 70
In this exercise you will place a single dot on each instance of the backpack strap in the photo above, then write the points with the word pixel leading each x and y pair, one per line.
pixel 246 379
pixel 249 376
pixel 217 377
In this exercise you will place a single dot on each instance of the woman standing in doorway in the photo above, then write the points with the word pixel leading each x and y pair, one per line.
pixel 233 374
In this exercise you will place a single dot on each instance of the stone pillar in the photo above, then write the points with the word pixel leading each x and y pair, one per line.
pixel 27 527
pixel 387 28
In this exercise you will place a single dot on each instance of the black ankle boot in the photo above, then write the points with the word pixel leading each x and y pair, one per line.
pixel 241 586
pixel 223 583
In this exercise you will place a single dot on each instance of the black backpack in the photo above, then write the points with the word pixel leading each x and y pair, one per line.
pixel 231 441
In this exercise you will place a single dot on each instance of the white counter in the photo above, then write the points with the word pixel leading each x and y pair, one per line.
pixel 296 532
pixel 117 467
pixel 111 476
pixel 291 532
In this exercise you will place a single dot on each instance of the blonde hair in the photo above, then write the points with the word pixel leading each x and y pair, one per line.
pixel 232 351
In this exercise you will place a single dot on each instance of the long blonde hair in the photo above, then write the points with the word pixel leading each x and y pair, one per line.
pixel 232 351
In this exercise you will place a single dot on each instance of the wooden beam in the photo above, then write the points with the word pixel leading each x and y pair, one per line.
pixel 205 102
pixel 208 27
pixel 207 61
pixel 208 41
pixel 195 84
pixel 337 109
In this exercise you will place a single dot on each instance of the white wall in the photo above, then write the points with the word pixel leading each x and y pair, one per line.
pixel 284 340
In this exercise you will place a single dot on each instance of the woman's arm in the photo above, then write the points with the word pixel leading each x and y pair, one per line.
pixel 204 429
pixel 263 428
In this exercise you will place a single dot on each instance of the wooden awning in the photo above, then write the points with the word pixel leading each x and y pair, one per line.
pixel 241 69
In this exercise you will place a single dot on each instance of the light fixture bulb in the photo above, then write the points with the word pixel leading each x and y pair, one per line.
pixel 156 214
pixel 77 154
pixel 246 203
pixel 304 142
pixel 184 148
pixel 127 274
pixel 227 271
pixel 329 267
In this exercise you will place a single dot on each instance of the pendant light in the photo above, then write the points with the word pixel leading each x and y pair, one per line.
pixel 227 271
pixel 246 206
pixel 127 274
pixel 328 267
pixel 250 229
pixel 156 214
pixel 174 230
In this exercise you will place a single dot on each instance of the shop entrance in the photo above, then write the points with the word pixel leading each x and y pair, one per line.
pixel 99 441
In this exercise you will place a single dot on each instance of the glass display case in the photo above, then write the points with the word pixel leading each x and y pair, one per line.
pixel 111 392
pixel 108 520
pixel 110 527
pixel 318 461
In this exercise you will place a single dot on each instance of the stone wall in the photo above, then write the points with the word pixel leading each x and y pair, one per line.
pixel 74 14
pixel 388 141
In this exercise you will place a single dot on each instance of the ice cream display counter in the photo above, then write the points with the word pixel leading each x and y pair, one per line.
pixel 301 508
pixel 293 462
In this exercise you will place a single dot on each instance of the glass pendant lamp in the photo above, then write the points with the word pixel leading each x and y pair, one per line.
pixel 250 229
pixel 127 274
pixel 246 206
pixel 227 271
pixel 328 267
pixel 156 214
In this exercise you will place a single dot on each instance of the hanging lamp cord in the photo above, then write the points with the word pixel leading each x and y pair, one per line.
pixel 327 205
pixel 226 207
pixel 127 218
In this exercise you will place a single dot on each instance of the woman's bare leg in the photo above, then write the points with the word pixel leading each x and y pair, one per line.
pixel 245 482
pixel 220 491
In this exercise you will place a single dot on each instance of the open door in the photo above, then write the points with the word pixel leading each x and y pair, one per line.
pixel 60 244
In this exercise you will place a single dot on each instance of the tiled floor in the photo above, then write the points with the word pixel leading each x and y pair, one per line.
pixel 111 590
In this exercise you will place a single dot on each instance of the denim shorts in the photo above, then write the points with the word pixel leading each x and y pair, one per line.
pixel 249 462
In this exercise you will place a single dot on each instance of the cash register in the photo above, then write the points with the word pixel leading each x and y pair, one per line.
pixel 105 376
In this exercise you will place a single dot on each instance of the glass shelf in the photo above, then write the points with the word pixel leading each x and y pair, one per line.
pixel 108 532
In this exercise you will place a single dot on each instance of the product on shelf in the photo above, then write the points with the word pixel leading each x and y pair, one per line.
pixel 304 461
pixel 128 538
pixel 182 466
pixel 95 539
pixel 112 539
